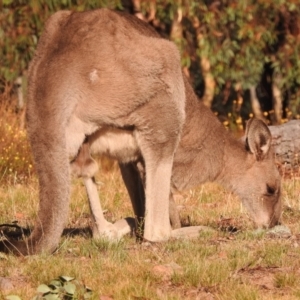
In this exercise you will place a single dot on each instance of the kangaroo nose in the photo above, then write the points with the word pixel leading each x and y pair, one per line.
pixel 265 221
pixel 262 220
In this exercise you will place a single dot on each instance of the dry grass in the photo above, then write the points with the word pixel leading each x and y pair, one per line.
pixel 216 265
pixel 15 155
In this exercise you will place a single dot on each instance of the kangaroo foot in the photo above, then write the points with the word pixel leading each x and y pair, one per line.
pixel 114 231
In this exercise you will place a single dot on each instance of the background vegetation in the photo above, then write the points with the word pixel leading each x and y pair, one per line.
pixel 242 56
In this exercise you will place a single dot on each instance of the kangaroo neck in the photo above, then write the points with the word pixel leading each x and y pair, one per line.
pixel 201 153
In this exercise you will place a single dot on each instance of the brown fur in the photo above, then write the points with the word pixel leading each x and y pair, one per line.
pixel 109 77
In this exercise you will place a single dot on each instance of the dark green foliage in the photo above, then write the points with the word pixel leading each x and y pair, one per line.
pixel 63 288
pixel 238 38
pixel 21 24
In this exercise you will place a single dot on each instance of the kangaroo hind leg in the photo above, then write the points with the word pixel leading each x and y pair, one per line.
pixel 133 175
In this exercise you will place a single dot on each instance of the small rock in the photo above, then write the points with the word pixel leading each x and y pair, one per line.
pixel 223 255
pixel 280 231
pixel 166 271
pixel 6 284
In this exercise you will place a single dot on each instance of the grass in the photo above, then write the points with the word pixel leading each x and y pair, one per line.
pixel 15 155
pixel 219 264
pixel 216 265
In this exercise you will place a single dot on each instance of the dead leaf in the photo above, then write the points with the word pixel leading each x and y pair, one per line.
pixel 6 284
pixel 12 282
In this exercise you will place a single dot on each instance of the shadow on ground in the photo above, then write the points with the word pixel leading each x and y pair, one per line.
pixel 16 232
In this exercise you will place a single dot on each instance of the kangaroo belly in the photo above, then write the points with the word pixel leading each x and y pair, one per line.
pixel 119 144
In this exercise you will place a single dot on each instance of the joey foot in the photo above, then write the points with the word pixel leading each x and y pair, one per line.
pixel 114 231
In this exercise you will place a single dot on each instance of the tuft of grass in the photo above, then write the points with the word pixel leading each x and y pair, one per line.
pixel 242 292
pixel 286 280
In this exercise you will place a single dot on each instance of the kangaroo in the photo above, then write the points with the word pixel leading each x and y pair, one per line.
pixel 105 82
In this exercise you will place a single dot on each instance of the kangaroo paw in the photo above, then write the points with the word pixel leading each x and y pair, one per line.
pixel 106 230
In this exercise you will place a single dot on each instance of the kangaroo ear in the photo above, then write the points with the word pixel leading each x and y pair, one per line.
pixel 258 138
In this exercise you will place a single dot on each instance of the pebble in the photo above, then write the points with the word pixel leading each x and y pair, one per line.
pixel 278 231
pixel 6 284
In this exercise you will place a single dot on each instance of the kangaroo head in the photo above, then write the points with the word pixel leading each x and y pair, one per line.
pixel 259 187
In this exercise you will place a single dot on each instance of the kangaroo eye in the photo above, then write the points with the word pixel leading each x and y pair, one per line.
pixel 271 190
